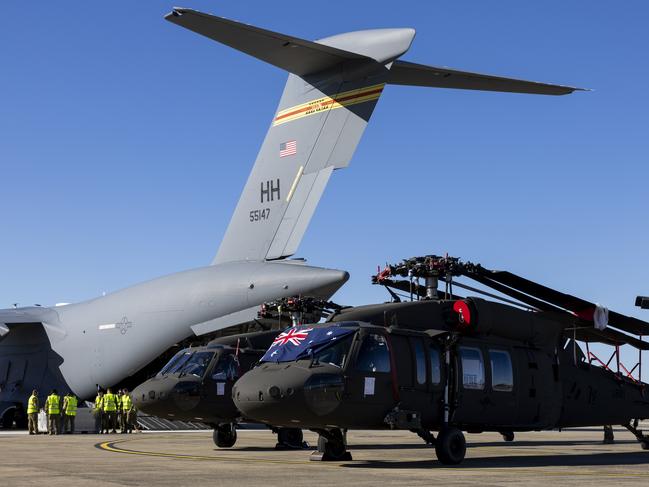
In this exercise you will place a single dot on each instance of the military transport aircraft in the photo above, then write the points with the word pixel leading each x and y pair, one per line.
pixel 447 364
pixel 332 89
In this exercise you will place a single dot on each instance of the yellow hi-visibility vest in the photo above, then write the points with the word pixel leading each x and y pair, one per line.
pixel 70 406
pixel 127 403
pixel 99 402
pixel 110 402
pixel 32 404
pixel 53 404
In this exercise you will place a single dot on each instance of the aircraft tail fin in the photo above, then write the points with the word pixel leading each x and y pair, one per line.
pixel 327 101
pixel 332 89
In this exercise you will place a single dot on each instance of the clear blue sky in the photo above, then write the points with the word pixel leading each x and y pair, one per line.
pixel 125 142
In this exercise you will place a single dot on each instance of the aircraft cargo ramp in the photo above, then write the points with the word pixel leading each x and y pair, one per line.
pixel 153 423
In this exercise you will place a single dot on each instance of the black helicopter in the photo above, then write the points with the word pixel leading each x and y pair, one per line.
pixel 196 384
pixel 447 364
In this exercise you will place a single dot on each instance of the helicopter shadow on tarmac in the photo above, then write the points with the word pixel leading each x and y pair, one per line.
pixel 523 460
pixel 311 447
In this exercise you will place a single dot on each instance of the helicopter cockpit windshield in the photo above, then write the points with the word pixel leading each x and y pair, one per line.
pixel 175 361
pixel 321 344
pixel 188 362
pixel 335 354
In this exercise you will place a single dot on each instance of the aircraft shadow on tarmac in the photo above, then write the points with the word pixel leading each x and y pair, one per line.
pixel 587 459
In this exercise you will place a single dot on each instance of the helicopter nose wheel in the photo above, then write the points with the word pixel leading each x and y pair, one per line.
pixel 225 435
pixel 507 435
pixel 450 446
pixel 331 446
pixel 289 438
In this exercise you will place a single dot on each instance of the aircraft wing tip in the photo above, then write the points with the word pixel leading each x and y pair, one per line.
pixel 177 12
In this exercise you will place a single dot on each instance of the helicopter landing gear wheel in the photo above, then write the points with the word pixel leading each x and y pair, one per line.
pixel 7 419
pixel 643 439
pixel 331 447
pixel 225 435
pixel 450 446
pixel 507 435
pixel 291 438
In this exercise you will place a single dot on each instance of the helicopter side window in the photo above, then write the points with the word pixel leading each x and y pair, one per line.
pixel 420 360
pixel 472 368
pixel 374 355
pixel 435 367
pixel 226 368
pixel 502 376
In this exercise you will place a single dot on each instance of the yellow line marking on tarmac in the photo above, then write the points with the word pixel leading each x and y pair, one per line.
pixel 570 471
pixel 110 446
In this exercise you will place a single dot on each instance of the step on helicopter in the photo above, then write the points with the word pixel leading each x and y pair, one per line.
pixel 196 384
pixel 442 364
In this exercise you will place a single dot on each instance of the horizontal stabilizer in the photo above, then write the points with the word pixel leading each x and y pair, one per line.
pixel 15 317
pixel 297 56
pixel 233 319
pixel 405 73
pixel 608 336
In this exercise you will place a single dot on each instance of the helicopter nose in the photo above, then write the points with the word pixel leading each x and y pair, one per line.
pixel 287 395
pixel 155 396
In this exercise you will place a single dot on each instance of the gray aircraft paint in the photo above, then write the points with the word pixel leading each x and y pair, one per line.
pixel 333 87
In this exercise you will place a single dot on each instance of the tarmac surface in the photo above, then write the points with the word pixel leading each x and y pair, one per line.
pixel 574 457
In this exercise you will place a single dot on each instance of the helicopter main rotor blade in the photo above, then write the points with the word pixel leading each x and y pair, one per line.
pixel 582 308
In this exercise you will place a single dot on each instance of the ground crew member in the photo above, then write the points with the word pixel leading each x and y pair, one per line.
pixel 32 413
pixel 70 412
pixel 53 409
pixel 127 405
pixel 99 412
pixel 118 421
pixel 110 411
pixel 132 419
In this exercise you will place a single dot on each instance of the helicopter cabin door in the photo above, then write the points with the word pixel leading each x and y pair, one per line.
pixel 369 378
pixel 417 379
pixel 486 396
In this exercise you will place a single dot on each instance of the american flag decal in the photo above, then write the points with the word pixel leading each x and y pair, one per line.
pixel 288 148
